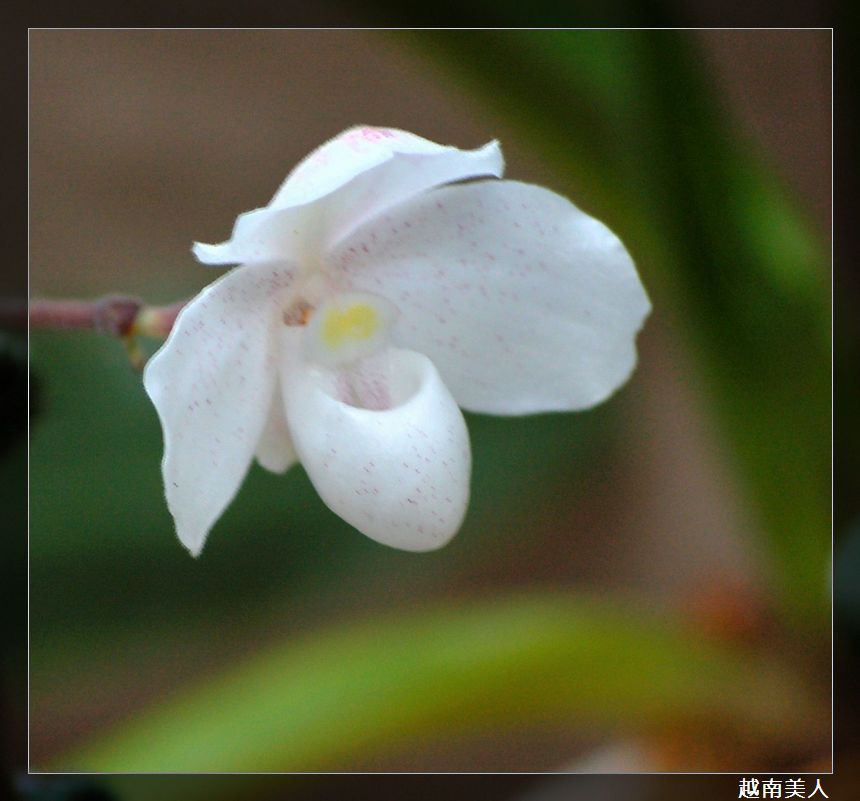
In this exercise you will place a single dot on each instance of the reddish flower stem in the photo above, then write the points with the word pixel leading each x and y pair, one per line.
pixel 116 315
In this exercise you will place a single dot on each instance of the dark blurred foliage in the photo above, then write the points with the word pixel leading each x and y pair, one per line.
pixel 846 599
pixel 493 788
pixel 34 788
pixel 594 13
pixel 14 408
pixel 846 377
pixel 846 285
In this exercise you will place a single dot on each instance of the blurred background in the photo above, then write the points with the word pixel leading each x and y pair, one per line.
pixel 642 587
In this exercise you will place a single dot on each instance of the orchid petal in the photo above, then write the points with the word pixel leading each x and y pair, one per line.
pixel 261 235
pixel 212 383
pixel 523 302
pixel 343 183
pixel 399 475
pixel 275 449
pixel 416 164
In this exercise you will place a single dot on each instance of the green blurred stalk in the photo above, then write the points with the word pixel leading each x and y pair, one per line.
pixel 329 701
pixel 630 122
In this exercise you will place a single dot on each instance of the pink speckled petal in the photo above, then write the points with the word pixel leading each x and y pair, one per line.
pixel 343 183
pixel 213 382
pixel 412 164
pixel 523 302
pixel 399 475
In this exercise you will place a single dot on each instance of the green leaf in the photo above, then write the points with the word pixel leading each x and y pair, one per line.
pixel 631 123
pixel 328 701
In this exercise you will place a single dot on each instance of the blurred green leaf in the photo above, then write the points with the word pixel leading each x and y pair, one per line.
pixel 629 119
pixel 331 699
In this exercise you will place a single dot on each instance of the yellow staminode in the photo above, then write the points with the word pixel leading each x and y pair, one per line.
pixel 347 327
pixel 357 322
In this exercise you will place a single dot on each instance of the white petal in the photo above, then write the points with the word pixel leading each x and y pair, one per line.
pixel 347 181
pixel 413 164
pixel 522 301
pixel 212 383
pixel 275 449
pixel 258 236
pixel 401 475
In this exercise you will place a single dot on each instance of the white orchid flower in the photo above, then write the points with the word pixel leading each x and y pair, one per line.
pixel 374 297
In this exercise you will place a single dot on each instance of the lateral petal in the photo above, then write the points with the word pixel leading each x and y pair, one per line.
pixel 522 301
pixel 212 383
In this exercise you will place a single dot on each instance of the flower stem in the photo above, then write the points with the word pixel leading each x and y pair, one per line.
pixel 115 315
pixel 119 316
